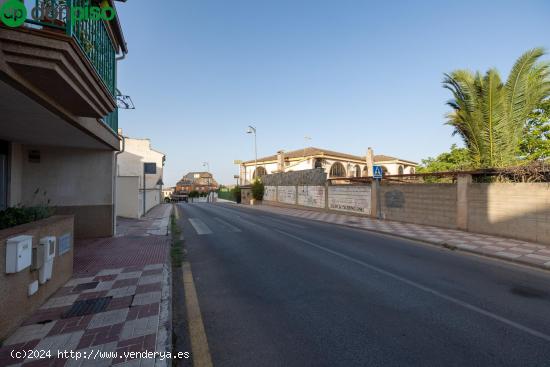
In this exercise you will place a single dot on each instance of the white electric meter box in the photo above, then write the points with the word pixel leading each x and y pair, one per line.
pixel 47 254
pixel 18 253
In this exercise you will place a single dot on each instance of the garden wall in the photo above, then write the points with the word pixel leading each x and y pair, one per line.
pixel 431 204
pixel 15 302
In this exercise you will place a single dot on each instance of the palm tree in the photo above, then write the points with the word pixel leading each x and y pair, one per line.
pixel 489 115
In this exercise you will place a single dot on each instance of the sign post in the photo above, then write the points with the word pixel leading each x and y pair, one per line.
pixel 148 169
pixel 378 173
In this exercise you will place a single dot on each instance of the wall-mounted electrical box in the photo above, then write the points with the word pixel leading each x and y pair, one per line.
pixel 33 288
pixel 18 253
pixel 46 252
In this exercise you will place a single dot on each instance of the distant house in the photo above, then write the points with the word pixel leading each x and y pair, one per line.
pixel 131 185
pixel 197 181
pixel 167 192
pixel 335 164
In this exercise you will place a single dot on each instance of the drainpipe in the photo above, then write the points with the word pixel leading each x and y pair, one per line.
pixel 114 179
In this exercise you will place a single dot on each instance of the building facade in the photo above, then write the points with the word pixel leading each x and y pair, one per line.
pixel 138 193
pixel 197 181
pixel 58 130
pixel 335 164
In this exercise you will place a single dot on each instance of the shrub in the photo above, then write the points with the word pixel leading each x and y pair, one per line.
pixel 236 191
pixel 12 217
pixel 258 190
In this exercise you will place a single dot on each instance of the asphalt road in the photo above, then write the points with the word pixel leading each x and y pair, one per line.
pixel 284 291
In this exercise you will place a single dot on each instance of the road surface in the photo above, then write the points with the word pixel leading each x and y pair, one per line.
pixel 283 291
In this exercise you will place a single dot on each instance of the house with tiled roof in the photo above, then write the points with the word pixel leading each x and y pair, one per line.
pixel 334 163
pixel 197 181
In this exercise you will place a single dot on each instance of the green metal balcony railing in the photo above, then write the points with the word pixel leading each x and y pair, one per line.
pixel 111 120
pixel 91 35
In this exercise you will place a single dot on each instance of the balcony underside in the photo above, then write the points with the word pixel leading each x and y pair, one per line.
pixel 53 64
pixel 26 121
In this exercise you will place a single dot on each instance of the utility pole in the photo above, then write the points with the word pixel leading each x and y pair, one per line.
pixel 252 130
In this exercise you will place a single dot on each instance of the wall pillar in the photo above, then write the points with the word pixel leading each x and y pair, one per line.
pixel 370 162
pixel 463 182
pixel 327 184
pixel 374 202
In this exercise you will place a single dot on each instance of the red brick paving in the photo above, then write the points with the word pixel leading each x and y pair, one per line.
pixel 139 312
pixel 146 288
pixel 139 344
pixel 93 255
pixel 101 335
pixel 125 283
pixel 120 302
pixel 70 325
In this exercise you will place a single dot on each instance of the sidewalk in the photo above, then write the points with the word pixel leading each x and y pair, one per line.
pixel 117 301
pixel 522 252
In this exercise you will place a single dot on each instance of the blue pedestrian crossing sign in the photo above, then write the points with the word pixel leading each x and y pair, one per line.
pixel 377 172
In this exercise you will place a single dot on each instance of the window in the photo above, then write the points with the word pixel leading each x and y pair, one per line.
pixel 337 170
pixel 3 175
pixel 412 171
pixel 365 171
pixel 357 171
pixel 261 172
pixel 400 170
pixel 385 170
pixel 318 163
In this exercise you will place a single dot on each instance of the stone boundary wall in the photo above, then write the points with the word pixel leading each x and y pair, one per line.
pixel 312 196
pixel 350 198
pixel 518 210
pixel 431 204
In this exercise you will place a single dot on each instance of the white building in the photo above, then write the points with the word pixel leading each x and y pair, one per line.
pixel 335 164
pixel 131 188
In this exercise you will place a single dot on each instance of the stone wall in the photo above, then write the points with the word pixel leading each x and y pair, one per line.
pixel 312 196
pixel 519 210
pixel 286 194
pixel 270 193
pixel 348 198
pixel 432 204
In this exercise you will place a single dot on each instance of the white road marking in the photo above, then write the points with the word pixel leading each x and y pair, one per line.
pixel 200 227
pixel 425 289
pixel 230 226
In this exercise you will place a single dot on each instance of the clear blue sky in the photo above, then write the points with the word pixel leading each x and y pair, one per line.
pixel 349 74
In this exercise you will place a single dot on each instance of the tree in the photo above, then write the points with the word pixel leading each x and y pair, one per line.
pixel 258 190
pixel 490 115
pixel 536 141
pixel 456 160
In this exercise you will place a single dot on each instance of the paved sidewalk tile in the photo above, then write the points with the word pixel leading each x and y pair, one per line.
pixel 131 273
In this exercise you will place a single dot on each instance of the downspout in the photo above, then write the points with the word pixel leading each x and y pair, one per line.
pixel 115 178
pixel 117 59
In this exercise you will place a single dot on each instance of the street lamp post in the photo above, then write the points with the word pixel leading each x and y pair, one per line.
pixel 252 130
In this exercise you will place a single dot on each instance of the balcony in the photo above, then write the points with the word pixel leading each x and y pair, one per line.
pixel 70 63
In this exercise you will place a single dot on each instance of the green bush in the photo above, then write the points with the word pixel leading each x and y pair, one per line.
pixel 258 190
pixel 12 217
pixel 194 194
pixel 237 194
